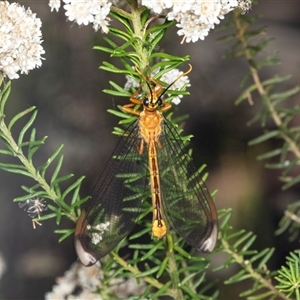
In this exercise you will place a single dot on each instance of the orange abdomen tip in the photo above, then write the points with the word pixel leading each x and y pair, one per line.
pixel 159 228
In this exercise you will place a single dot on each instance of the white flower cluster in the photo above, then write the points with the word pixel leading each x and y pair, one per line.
pixel 20 40
pixel 169 77
pixel 195 18
pixel 85 12
pixel 77 283
pixel 80 283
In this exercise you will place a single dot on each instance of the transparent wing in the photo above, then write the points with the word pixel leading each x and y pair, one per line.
pixel 187 204
pixel 115 201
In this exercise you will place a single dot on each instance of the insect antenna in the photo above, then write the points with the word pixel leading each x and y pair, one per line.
pixel 166 89
pixel 183 74
pixel 151 94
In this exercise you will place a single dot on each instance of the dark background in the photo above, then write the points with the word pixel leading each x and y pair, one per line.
pixel 67 91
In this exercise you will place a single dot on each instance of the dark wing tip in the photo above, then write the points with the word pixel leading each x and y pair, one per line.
pixel 209 243
pixel 87 258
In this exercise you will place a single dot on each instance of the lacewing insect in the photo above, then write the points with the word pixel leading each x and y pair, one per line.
pixel 149 151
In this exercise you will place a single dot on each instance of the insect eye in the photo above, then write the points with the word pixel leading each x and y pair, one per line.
pixel 146 102
pixel 159 101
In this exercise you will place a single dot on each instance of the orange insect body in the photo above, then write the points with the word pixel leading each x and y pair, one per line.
pixel 181 201
pixel 150 123
pixel 150 129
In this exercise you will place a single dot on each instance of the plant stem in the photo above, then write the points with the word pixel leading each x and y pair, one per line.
pixel 139 35
pixel 240 33
pixel 155 283
pixel 35 175
pixel 247 266
pixel 173 270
